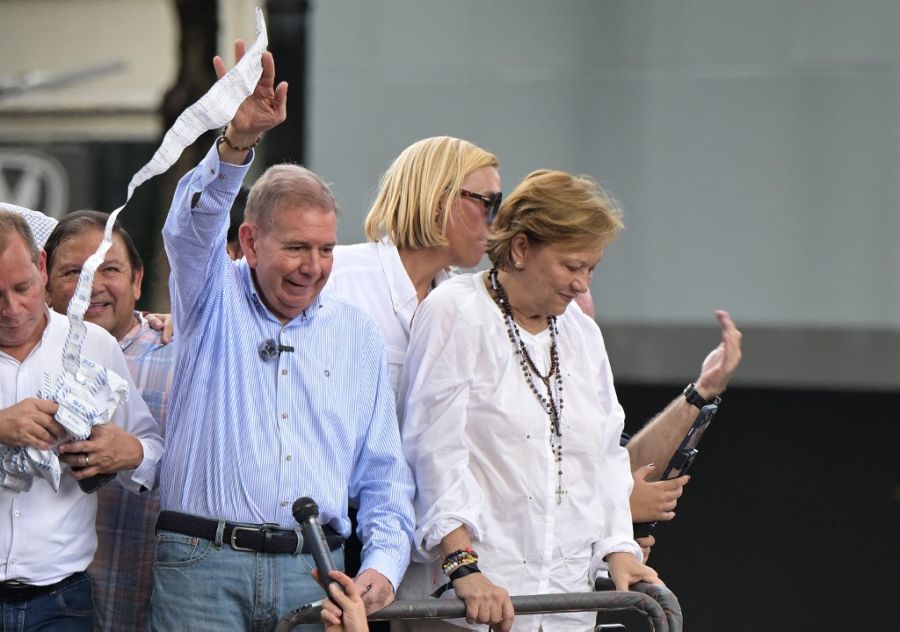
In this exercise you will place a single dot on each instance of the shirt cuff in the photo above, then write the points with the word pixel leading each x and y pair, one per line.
pixel 435 532
pixel 605 547
pixel 223 174
pixel 386 565
pixel 143 478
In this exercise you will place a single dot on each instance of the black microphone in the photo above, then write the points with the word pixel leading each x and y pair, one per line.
pixel 269 349
pixel 306 513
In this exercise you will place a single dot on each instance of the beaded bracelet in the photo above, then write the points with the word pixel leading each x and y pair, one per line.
pixel 465 561
pixel 459 558
pixel 224 139
pixel 454 557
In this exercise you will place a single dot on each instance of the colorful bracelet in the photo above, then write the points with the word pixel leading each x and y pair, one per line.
pixel 465 561
pixel 459 558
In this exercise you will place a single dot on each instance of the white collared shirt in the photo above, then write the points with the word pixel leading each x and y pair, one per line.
pixel 479 444
pixel 371 275
pixel 45 536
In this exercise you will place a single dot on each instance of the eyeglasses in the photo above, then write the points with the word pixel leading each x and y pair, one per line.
pixel 491 202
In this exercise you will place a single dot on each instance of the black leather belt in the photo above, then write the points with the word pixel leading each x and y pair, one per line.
pixel 261 538
pixel 17 591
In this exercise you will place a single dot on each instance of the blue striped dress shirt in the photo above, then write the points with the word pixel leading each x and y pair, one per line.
pixel 245 437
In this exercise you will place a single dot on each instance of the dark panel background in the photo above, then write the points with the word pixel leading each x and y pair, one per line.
pixel 791 519
pixel 99 173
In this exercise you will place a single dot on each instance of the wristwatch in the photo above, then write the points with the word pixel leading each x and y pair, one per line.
pixel 696 399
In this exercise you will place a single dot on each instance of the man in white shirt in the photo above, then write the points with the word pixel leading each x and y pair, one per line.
pixel 47 538
pixel 123 564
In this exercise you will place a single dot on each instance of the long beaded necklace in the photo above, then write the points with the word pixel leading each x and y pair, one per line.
pixel 553 402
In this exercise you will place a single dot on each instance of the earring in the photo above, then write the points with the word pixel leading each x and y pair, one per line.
pixel 518 264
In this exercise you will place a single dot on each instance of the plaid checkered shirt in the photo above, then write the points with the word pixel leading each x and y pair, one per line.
pixel 123 565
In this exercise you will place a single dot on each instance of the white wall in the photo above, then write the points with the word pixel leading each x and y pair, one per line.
pixel 754 145
pixel 62 36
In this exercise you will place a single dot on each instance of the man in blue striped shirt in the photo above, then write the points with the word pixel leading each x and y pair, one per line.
pixel 278 393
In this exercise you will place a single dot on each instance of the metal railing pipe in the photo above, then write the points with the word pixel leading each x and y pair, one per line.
pixel 656 603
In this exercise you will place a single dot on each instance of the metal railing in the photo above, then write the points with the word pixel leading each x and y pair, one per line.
pixel 657 604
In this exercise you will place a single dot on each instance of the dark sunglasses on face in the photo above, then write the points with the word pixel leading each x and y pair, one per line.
pixel 491 202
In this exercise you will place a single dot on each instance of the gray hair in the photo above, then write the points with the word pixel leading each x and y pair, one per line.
pixel 12 222
pixel 287 185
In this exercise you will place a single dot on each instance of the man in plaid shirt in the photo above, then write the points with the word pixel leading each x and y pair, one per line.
pixel 123 563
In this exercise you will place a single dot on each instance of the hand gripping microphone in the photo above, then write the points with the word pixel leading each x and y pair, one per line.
pixel 306 513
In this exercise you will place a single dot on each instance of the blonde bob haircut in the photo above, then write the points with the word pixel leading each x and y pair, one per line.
pixel 554 207
pixel 424 179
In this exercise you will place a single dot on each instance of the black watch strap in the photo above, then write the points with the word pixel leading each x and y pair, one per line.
pixel 696 399
pixel 462 571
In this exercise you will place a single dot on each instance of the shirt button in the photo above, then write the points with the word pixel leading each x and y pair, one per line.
pixel 528 436
pixel 284 503
pixel 284 415
pixel 288 457
pixel 284 371
pixel 18 513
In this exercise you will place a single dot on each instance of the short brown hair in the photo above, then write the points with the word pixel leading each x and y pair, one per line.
pixel 553 207
pixel 15 223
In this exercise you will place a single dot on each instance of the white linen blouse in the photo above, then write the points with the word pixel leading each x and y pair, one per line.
pixel 479 443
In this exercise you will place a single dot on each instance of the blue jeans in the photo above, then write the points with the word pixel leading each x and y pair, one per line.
pixel 68 609
pixel 204 585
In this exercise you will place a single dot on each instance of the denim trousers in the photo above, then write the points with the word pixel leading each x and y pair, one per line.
pixel 201 585
pixel 68 609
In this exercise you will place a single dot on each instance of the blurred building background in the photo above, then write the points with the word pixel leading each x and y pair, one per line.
pixel 754 147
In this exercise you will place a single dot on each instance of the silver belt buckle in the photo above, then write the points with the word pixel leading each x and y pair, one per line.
pixel 14 583
pixel 234 532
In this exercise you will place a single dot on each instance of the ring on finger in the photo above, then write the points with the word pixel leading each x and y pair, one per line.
pixel 86 460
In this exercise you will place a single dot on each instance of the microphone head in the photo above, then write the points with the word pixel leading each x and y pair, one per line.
pixel 268 349
pixel 305 508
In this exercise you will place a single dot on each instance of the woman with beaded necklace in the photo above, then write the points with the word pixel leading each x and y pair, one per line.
pixel 511 421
